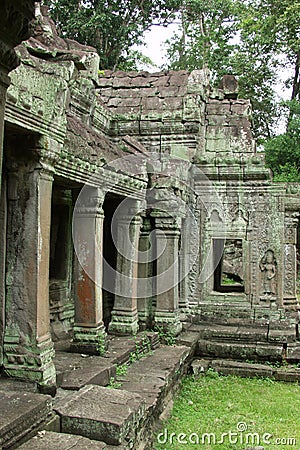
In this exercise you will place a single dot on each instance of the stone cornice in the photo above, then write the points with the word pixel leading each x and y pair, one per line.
pixel 33 122
pixel 75 169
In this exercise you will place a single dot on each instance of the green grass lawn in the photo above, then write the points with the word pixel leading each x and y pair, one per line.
pixel 216 412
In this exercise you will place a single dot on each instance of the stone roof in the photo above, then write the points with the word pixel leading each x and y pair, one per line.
pixel 133 92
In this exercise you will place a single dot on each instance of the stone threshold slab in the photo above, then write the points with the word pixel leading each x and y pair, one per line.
pixel 109 415
pixel 21 413
pixel 75 371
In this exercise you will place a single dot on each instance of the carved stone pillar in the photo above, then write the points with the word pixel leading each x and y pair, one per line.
pixel 290 258
pixel 88 332
pixel 28 349
pixel 3 235
pixel 124 314
pixel 4 82
pixel 145 276
pixel 184 265
pixel 14 20
pixel 167 276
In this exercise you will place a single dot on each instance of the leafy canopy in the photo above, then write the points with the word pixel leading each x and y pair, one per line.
pixel 111 26
pixel 283 151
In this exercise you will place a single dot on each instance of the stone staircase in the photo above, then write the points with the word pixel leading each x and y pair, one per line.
pixel 86 413
pixel 117 401
pixel 257 333
pixel 244 347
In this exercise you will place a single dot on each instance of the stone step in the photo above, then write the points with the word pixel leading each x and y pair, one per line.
pixel 231 313
pixel 188 338
pixel 157 376
pixel 286 373
pixel 48 440
pixel 261 351
pixel 109 415
pixel 120 348
pixel 74 371
pixel 21 413
pixel 237 333
pixel 126 416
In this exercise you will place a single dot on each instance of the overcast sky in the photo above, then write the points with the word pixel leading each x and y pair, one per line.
pixel 154 43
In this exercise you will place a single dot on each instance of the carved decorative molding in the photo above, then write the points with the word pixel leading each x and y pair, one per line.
pixel 290 226
pixel 289 271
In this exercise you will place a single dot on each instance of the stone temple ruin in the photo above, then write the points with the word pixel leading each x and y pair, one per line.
pixel 101 168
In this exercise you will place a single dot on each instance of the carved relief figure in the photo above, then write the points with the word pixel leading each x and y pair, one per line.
pixel 268 267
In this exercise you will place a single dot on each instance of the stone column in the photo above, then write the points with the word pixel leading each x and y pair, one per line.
pixel 290 258
pixel 167 299
pixel 14 21
pixel 3 235
pixel 124 315
pixel 28 349
pixel 88 332
pixel 184 265
pixel 4 83
pixel 145 276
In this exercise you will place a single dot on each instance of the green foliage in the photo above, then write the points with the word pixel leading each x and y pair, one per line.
pixel 114 384
pixel 283 151
pixel 141 350
pixel 101 345
pixel 203 39
pixel 122 370
pixel 166 335
pixel 111 27
pixel 252 40
pixel 211 373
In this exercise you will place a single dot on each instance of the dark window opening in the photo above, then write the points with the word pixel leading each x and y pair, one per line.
pixel 228 263
pixel 110 205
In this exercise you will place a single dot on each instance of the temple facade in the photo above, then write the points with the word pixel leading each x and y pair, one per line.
pixel 129 201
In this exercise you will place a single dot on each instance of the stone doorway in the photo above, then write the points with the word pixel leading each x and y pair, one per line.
pixel 110 253
pixel 61 302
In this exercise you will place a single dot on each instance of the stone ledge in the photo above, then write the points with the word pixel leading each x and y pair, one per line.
pixel 239 350
pixel 47 440
pixel 21 412
pixel 153 377
pixel 243 369
pixel 102 414
pixel 75 371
